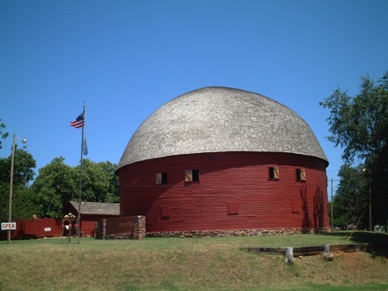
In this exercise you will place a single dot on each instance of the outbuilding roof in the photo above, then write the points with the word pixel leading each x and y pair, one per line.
pixel 219 119
pixel 97 208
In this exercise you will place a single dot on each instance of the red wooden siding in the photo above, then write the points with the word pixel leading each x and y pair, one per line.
pixel 88 220
pixel 36 228
pixel 233 192
pixel 89 223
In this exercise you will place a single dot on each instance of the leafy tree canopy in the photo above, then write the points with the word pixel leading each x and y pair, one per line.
pixel 359 124
pixel 24 165
pixel 55 185
pixel 351 199
pixel 58 183
pixel 3 135
pixel 99 182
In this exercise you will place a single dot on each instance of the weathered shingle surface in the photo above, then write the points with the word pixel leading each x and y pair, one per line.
pixel 219 119
pixel 97 208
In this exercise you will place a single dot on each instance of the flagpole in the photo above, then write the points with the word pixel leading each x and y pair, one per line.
pixel 80 179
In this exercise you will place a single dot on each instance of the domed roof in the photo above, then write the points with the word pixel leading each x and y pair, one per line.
pixel 218 119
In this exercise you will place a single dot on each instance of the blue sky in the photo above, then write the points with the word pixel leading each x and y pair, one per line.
pixel 127 58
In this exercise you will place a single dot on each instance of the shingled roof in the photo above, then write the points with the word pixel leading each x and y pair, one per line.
pixel 219 119
pixel 97 208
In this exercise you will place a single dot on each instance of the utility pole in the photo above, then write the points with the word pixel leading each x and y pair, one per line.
pixel 11 183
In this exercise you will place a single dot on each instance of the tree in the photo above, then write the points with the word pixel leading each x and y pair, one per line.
pixel 3 135
pixel 58 183
pixel 359 125
pixel 352 197
pixel 112 195
pixel 99 182
pixel 24 165
pixel 55 185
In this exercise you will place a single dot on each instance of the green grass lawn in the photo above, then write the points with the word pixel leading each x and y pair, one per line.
pixel 189 264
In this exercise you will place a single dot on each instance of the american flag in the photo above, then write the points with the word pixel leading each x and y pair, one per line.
pixel 79 121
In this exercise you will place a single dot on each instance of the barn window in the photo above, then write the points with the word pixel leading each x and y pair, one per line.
pixel 273 173
pixel 232 208
pixel 161 178
pixel 165 212
pixel 192 175
pixel 300 175
pixel 296 206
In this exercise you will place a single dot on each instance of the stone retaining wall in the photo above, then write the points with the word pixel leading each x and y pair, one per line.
pixel 131 227
pixel 240 232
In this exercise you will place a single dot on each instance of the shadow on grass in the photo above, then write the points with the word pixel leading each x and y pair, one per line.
pixel 359 236
pixel 346 288
pixel 378 240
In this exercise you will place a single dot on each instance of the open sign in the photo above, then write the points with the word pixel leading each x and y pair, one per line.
pixel 8 225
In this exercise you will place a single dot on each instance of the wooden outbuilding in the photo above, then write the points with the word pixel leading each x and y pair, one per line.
pixel 223 159
pixel 34 228
pixel 91 213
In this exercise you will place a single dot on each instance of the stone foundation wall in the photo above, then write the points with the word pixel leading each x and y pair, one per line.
pixel 131 227
pixel 134 227
pixel 240 232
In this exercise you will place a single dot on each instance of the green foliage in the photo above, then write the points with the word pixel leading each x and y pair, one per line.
pixel 23 205
pixel 352 197
pixel 24 165
pixel 3 135
pixel 359 125
pixel 4 201
pixel 112 194
pixel 55 185
pixel 99 182
pixel 58 183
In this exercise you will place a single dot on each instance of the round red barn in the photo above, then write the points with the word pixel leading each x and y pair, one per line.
pixel 224 159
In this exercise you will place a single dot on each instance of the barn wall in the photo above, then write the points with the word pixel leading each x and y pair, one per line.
pixel 234 192
pixel 89 223
pixel 41 227
pixel 35 228
pixel 121 227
